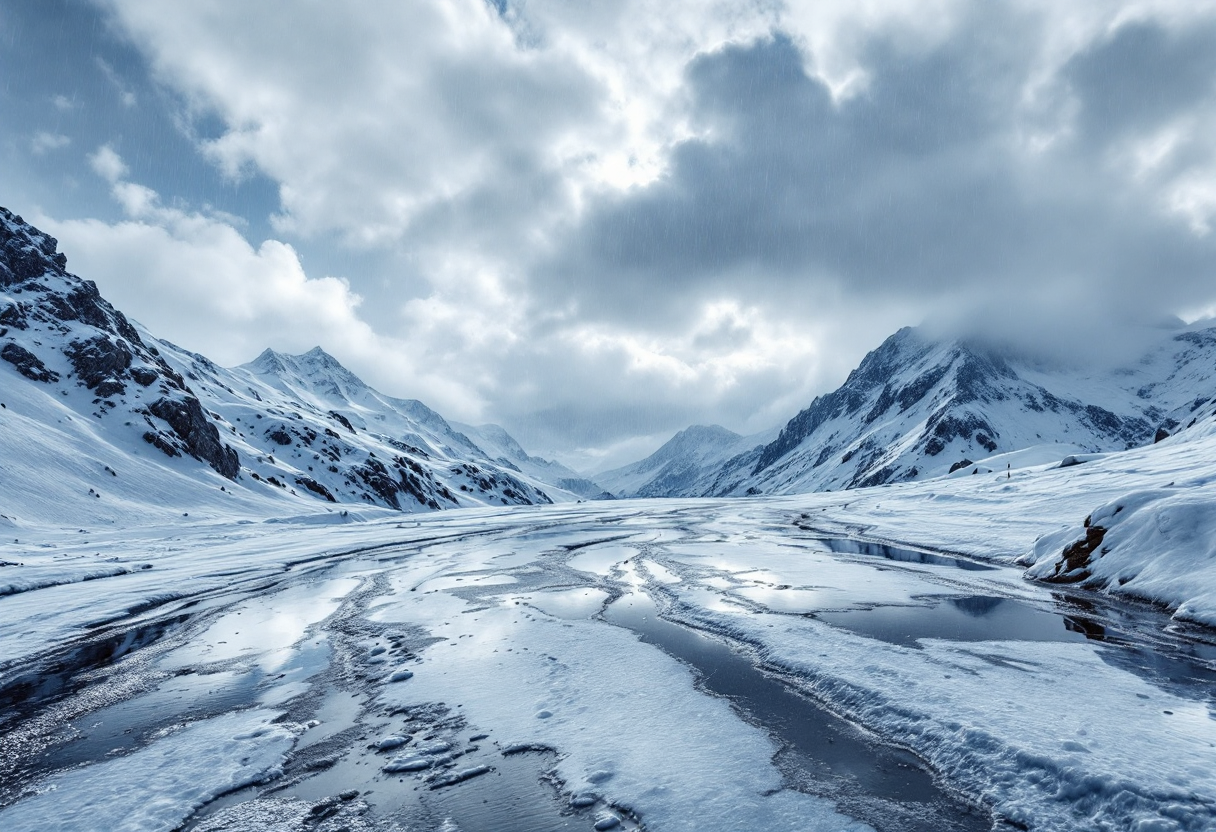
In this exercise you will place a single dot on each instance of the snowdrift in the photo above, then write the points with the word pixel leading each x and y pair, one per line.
pixel 1157 545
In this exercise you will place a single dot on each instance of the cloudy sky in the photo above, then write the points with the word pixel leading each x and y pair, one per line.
pixel 598 222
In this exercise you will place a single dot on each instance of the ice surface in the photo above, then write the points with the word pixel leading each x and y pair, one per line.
pixel 601 699
pixel 265 628
pixel 1053 735
pixel 157 787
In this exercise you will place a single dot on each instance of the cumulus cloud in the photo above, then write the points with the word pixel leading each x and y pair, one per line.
pixel 200 283
pixel 915 190
pixel 107 164
pixel 45 141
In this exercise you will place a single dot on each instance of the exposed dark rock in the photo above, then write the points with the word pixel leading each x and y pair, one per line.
pixel 279 436
pixel 28 364
pixel 13 316
pixel 144 375
pixel 26 253
pixel 316 488
pixel 99 361
pixel 341 420
pixel 377 478
pixel 109 388
pixel 200 436
pixel 1071 568
pixel 158 440
pixel 947 427
pixel 419 484
pixel 920 388
pixel 961 464
pixel 1162 433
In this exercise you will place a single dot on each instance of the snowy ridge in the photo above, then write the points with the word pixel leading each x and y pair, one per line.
pixel 102 422
pixel 918 408
pixel 502 449
pixel 915 408
pixel 686 464
pixel 306 423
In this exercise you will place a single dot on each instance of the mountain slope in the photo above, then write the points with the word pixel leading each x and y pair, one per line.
pixel 502 449
pixel 685 464
pixel 917 407
pixel 100 421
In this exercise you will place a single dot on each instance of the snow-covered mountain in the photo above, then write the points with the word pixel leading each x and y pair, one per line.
pixel 503 450
pixel 686 464
pixel 99 419
pixel 918 407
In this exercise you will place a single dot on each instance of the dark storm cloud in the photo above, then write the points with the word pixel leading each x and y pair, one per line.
pixel 916 188
pixel 1143 76
pixel 466 170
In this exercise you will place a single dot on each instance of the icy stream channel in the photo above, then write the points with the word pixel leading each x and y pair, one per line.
pixel 707 668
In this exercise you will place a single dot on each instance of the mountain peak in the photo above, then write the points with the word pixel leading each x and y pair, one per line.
pixel 26 252
pixel 316 371
pixel 306 364
pixel 268 361
pixel 702 434
pixel 319 355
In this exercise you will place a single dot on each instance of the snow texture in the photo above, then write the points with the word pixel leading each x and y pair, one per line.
pixel 158 787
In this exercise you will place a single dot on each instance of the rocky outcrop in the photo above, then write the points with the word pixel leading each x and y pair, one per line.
pixel 197 433
pixel 100 363
pixel 25 252
pixel 28 364
pixel 61 312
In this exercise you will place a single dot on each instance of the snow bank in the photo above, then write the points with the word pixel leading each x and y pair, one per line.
pixel 1158 545
pixel 31 578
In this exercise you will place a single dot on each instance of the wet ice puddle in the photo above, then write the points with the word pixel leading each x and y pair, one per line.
pixel 822 753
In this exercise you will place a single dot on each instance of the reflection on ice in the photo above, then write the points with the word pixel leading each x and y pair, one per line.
pixel 886 787
pixel 568 603
pixel 852 546
pixel 465 580
pixel 600 560
pixel 264 628
pixel 794 600
pixel 969 618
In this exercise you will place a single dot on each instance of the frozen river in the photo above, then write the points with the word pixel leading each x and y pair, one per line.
pixel 708 666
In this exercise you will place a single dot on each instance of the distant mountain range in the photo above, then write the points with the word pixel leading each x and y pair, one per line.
pixel 99 419
pixel 920 407
pixel 685 465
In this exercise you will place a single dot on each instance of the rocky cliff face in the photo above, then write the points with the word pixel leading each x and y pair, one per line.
pixel 56 329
